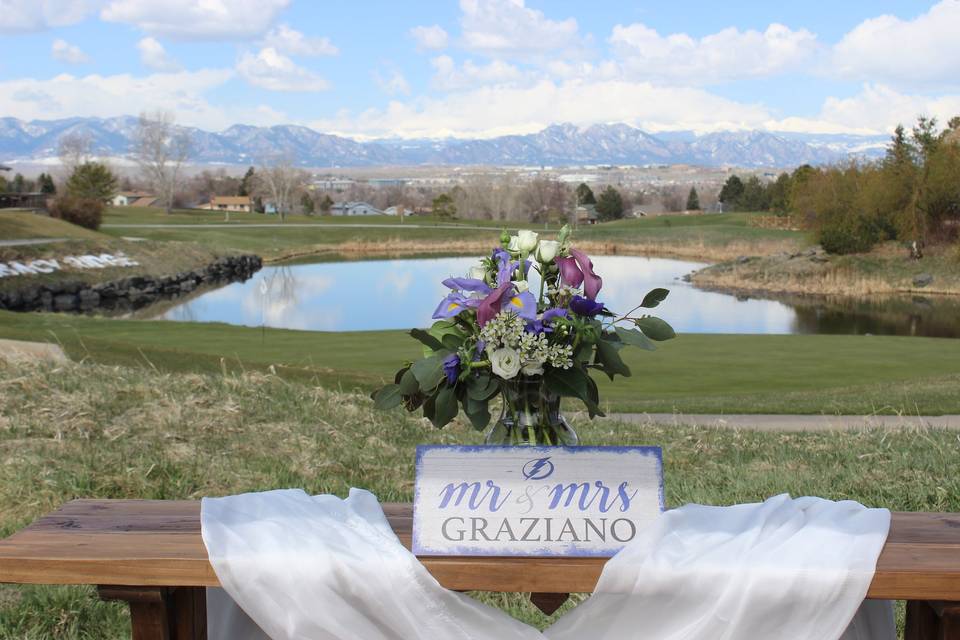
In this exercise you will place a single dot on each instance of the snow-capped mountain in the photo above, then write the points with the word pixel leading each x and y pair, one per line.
pixel 560 144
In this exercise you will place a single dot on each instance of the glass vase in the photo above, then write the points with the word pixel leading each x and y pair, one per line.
pixel 530 416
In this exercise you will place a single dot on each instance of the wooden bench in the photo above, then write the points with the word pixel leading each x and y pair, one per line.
pixel 149 554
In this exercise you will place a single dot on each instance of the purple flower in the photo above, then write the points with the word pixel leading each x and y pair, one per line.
pixel 451 367
pixel 522 304
pixel 570 273
pixel 451 306
pixel 551 314
pixel 467 284
pixel 491 305
pixel 591 281
pixel 585 307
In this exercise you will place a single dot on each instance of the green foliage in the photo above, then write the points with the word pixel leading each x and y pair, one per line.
pixel 731 193
pixel 3 185
pixel 585 194
pixel 306 203
pixel 85 212
pixel 610 204
pixel 444 207
pixel 92 180
pixel 326 204
pixel 693 200
pixel 248 182
pixel 779 192
pixel 45 184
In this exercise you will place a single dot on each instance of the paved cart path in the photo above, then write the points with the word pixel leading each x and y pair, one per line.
pixel 790 422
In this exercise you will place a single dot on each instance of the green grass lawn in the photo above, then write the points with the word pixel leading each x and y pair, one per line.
pixel 696 373
pixel 94 431
pixel 23 225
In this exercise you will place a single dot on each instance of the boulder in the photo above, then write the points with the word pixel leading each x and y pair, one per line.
pixel 922 280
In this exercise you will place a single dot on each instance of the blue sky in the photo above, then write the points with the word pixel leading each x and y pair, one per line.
pixel 484 67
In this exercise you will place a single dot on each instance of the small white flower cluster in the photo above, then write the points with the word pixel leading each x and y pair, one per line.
pixel 512 350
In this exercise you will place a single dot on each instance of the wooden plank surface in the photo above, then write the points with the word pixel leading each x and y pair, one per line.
pixel 143 542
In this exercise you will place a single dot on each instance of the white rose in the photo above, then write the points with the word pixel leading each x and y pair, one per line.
pixel 514 246
pixel 505 362
pixel 527 240
pixel 521 285
pixel 533 368
pixel 477 273
pixel 547 251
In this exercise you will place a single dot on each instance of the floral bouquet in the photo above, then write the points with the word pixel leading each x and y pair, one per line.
pixel 495 336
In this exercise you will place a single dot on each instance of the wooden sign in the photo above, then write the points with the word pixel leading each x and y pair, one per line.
pixel 534 501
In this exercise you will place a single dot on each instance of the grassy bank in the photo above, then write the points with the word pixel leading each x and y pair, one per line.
pixel 706 237
pixel 154 258
pixel 695 373
pixel 138 433
pixel 887 270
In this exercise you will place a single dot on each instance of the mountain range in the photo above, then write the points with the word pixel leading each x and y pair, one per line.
pixel 557 145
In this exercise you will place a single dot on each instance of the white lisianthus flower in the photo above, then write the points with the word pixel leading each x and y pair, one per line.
pixel 520 285
pixel 547 251
pixel 505 362
pixel 514 246
pixel 477 273
pixel 527 240
pixel 533 368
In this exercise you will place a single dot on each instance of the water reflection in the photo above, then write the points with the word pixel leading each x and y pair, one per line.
pixel 399 294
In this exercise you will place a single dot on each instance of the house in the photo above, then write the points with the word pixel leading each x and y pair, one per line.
pixel 396 210
pixel 229 203
pixel 586 214
pixel 354 209
pixel 133 199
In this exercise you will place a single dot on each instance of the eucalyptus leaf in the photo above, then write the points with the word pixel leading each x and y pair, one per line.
pixel 572 383
pixel 452 341
pixel 428 372
pixel 612 363
pixel 655 328
pixel 482 387
pixel 446 407
pixel 408 383
pixel 427 339
pixel 635 339
pixel 478 411
pixel 654 298
pixel 388 397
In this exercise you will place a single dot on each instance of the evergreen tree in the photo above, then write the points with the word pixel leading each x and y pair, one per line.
pixel 326 204
pixel 246 185
pixel 609 205
pixel 306 202
pixel 92 180
pixel 444 208
pixel 779 191
pixel 731 193
pixel 585 194
pixel 693 200
pixel 19 184
pixel 46 185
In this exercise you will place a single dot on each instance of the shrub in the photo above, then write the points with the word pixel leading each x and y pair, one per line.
pixel 85 212
pixel 848 236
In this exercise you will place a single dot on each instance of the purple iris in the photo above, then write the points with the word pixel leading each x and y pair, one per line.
pixel 551 314
pixel 585 307
pixel 451 367
pixel 450 306
pixel 467 284
pixel 522 304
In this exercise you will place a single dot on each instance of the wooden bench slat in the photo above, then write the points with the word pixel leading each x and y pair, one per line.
pixel 145 543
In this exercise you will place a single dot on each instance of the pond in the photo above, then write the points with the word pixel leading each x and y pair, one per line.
pixel 401 294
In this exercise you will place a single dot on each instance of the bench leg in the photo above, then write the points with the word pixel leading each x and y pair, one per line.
pixel 932 620
pixel 163 613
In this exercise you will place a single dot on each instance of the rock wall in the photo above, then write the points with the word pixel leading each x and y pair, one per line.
pixel 128 293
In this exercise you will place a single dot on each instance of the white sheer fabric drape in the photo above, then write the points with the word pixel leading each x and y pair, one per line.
pixel 296 567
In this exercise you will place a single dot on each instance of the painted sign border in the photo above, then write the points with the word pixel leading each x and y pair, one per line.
pixel 418 549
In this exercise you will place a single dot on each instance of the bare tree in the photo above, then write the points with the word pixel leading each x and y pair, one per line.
pixel 160 149
pixel 279 183
pixel 74 149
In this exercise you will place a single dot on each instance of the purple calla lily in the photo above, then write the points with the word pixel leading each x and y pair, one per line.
pixel 585 307
pixel 467 284
pixel 570 273
pixel 591 281
pixel 491 305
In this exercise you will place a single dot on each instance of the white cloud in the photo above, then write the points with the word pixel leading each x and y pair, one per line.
pixel 193 20
pixel 504 28
pixel 183 93
pixel 292 42
pixel 20 16
pixel 727 55
pixel 392 83
pixel 70 53
pixel 448 76
pixel 924 50
pixel 153 55
pixel 880 108
pixel 500 110
pixel 270 69
pixel 432 37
